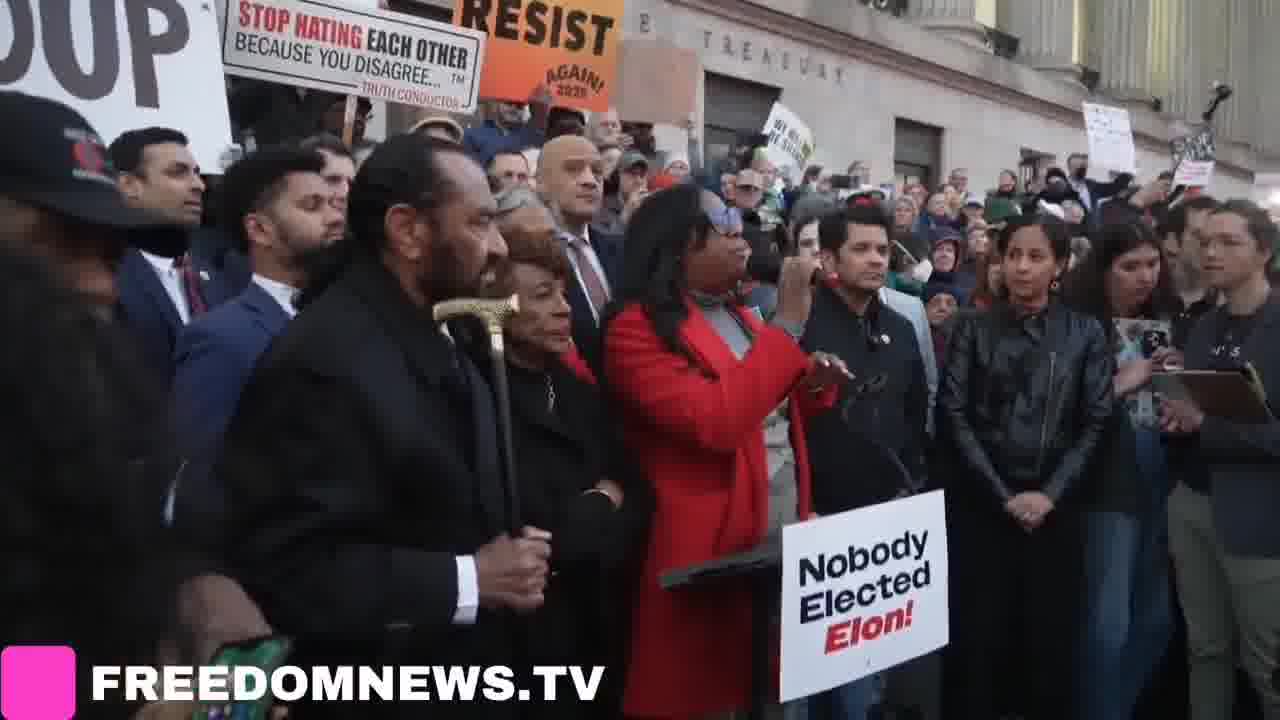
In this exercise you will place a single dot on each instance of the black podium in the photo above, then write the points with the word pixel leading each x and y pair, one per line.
pixel 762 567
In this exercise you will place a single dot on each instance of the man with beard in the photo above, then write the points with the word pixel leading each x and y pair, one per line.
pixel 364 492
pixel 282 213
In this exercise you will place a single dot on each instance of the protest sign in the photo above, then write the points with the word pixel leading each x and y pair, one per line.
pixel 571 46
pixel 123 65
pixel 355 51
pixel 862 591
pixel 1194 173
pixel 790 140
pixel 657 82
pixel 1110 138
pixel 1194 158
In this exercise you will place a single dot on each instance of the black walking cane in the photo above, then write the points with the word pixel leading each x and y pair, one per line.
pixel 494 314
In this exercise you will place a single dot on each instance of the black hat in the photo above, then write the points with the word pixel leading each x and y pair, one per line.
pixel 54 160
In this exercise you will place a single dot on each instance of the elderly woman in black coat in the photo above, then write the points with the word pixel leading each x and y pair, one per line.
pixel 573 480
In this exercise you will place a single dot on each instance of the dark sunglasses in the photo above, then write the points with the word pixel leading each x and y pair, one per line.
pixel 727 221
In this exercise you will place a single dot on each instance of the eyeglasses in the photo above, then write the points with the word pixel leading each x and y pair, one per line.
pixel 726 220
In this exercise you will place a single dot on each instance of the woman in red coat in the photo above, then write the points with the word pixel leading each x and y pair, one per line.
pixel 696 378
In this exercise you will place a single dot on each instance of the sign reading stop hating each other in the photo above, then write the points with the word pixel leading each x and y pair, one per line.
pixel 355 51
pixel 571 46
pixel 123 64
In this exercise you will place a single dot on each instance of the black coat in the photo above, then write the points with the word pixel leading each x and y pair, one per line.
pixel 1023 402
pixel 891 416
pixel 360 463
pixel 561 454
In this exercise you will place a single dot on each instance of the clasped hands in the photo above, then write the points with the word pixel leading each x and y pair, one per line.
pixel 1029 509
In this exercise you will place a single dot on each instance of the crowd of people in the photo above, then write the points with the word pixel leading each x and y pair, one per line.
pixel 234 414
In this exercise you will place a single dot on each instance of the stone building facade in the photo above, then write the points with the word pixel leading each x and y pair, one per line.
pixel 917 88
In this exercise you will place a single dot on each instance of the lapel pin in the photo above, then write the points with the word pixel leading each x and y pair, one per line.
pixel 884 339
pixel 204 275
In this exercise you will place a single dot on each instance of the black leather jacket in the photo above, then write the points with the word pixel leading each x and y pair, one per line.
pixel 1024 400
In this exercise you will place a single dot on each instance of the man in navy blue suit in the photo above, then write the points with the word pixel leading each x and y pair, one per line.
pixel 162 283
pixel 571 184
pixel 283 215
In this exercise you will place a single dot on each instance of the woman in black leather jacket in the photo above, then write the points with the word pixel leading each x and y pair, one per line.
pixel 1026 394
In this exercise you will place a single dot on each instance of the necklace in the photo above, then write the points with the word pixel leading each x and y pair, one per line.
pixel 551 394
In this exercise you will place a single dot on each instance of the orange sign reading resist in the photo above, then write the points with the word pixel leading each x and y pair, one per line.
pixel 569 45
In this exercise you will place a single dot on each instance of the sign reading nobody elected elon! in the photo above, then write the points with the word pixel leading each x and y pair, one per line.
pixel 862 591
pixel 571 46
pixel 355 51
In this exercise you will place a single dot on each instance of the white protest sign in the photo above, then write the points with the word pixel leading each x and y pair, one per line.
pixel 1194 173
pixel 1110 138
pixel 123 64
pixel 862 591
pixel 355 51
pixel 790 140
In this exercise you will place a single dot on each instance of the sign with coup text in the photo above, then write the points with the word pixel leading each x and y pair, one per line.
pixel 376 54
pixel 123 64
pixel 862 591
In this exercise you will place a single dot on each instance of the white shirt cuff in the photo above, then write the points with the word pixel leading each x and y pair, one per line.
pixel 468 591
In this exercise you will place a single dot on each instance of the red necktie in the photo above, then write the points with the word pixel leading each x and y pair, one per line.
pixel 190 285
pixel 596 293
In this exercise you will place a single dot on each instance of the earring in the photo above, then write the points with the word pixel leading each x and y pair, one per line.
pixel 1054 286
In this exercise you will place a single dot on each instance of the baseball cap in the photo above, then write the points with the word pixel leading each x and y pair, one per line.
pixel 53 159
pixel 632 159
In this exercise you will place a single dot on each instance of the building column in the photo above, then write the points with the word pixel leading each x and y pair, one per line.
pixel 1266 134
pixel 1243 54
pixel 954 18
pixel 1121 49
pixel 1046 35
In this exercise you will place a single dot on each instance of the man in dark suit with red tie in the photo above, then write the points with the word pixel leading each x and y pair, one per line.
pixel 162 283
pixel 571 183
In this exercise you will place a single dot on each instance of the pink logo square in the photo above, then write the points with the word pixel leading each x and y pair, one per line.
pixel 37 682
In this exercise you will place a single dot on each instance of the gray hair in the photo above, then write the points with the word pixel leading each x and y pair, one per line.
pixel 517 197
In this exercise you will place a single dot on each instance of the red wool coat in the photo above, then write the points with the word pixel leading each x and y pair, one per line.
pixel 699 435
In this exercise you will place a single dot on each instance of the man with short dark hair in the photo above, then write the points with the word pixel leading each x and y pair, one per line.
pixel 1183 232
pixel 368 500
pixel 283 213
pixel 339 166
pixel 881 416
pixel 1223 533
pixel 162 284
pixel 508 170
